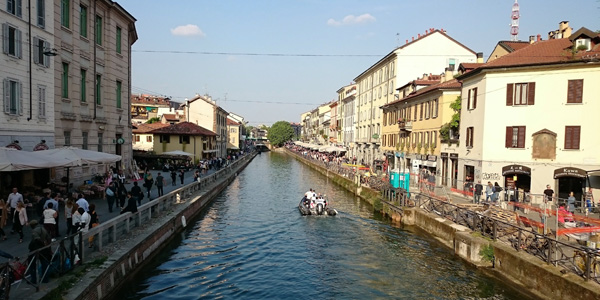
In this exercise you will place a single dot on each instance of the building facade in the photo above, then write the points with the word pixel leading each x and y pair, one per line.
pixel 187 137
pixel 145 107
pixel 203 111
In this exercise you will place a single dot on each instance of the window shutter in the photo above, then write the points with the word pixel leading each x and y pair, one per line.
pixel 508 138
pixel 509 94
pixel 531 93
pixel 568 137
pixel 20 97
pixel 469 106
pixel 6 96
pixel 521 137
pixel 18 2
pixel 571 92
pixel 579 91
pixel 575 137
pixel 5 35
pixel 46 58
pixel 18 43
pixel 474 98
pixel 36 50
pixel 575 91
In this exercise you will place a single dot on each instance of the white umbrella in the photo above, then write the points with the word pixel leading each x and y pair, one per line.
pixel 178 153
pixel 71 156
pixel 15 160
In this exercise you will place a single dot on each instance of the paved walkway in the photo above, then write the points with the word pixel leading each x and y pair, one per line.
pixel 13 247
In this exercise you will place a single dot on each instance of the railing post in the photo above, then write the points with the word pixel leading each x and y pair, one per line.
pixel 495 232
pixel 588 263
pixel 519 240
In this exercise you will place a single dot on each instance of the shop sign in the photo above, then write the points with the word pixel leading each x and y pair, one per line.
pixel 569 172
pixel 399 154
pixel 444 155
pixel 516 169
pixel 432 157
pixel 453 155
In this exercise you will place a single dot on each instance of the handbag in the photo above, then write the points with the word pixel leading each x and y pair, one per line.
pixel 109 192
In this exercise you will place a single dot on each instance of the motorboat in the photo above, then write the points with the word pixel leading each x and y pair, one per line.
pixel 317 206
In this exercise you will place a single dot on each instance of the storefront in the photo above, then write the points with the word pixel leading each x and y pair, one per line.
pixel 570 180
pixel 517 176
pixel 454 169
pixel 444 168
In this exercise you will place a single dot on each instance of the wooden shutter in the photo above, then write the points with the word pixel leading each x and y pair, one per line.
pixel 474 98
pixel 509 94
pixel 469 105
pixel 508 138
pixel 575 91
pixel 6 95
pixel 531 93
pixel 572 134
pixel 521 137
pixel 6 39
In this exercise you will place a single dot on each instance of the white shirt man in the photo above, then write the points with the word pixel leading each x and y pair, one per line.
pixel 308 194
pixel 14 198
pixel 83 203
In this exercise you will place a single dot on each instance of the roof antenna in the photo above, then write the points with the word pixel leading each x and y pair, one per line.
pixel 397 39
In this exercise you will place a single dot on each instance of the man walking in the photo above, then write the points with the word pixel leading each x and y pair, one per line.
pixel 159 184
pixel 477 192
pixel 13 198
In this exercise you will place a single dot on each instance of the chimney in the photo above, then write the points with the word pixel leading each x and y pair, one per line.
pixel 407 41
pixel 539 37
pixel 447 76
pixel 426 32
pixel 531 39
pixel 479 57
pixel 413 38
pixel 419 36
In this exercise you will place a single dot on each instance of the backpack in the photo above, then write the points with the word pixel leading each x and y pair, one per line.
pixel 109 192
pixel 498 189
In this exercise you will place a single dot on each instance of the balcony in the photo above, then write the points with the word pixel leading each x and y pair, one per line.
pixel 405 125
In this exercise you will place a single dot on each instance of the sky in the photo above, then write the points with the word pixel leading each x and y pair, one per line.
pixel 273 60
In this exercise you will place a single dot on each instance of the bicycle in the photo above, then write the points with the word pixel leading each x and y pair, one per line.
pixel 10 272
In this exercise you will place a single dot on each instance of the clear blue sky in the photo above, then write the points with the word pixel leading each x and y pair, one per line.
pixel 325 44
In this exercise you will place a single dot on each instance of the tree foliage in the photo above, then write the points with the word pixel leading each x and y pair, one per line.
pixel 455 106
pixel 280 133
pixel 153 120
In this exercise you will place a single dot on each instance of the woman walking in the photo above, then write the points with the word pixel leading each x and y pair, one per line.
pixel 20 219
pixel 3 218
pixel 69 209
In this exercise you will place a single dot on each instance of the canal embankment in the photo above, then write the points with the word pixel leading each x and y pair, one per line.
pixel 521 269
pixel 157 223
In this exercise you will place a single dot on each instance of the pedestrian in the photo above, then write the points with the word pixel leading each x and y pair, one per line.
pixel 55 205
pixel 571 203
pixel 160 181
pixel 181 174
pixel 196 175
pixel 69 208
pixel 148 181
pixel 94 221
pixel 477 192
pixel 589 201
pixel 50 219
pixel 39 239
pixel 122 194
pixel 173 177
pixel 136 193
pixel 82 203
pixel 548 192
pixel 489 192
pixel 131 205
pixel 20 220
pixel 12 200
pixel 497 190
pixel 3 218
pixel 111 193
pixel 544 212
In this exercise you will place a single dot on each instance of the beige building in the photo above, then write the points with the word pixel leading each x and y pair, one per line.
pixel 429 53
pixel 234 134
pixel 203 111
pixel 143 139
pixel 92 77
pixel 145 107
pixel 346 96
pixel 27 73
pixel 529 118
pixel 187 137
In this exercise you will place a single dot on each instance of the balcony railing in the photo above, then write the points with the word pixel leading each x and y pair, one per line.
pixel 405 125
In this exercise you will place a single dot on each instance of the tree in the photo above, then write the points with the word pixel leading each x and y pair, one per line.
pixel 153 120
pixel 280 133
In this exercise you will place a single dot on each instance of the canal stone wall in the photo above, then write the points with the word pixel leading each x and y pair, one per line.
pixel 523 270
pixel 139 249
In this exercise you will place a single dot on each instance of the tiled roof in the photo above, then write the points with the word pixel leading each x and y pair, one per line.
pixel 170 117
pixel 149 99
pixel 539 53
pixel 232 122
pixel 450 84
pixel 512 46
pixel 184 128
pixel 146 128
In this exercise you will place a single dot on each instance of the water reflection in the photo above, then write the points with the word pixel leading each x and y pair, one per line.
pixel 252 243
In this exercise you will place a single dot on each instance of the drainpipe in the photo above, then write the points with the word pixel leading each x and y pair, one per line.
pixel 95 76
pixel 30 65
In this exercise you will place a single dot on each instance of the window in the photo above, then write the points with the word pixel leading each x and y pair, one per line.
pixel 67 138
pixel 515 137
pixel 472 99
pixel 384 140
pixel 583 42
pixel 164 138
pixel 65 11
pixel 98 32
pixel 575 91
pixel 41 101
pixel 14 7
pixel 65 80
pixel 469 141
pixel 39 46
pixel 136 138
pixel 434 108
pixel 149 139
pixel 98 89
pixel 118 39
pixel 421 114
pixel 41 13
pixel 184 139
pixel 83 19
pixel 520 94
pixel 119 94
pixel 100 142
pixel 391 87
pixel 13 92
pixel 84 140
pixel 83 85
pixel 427 139
pixel 451 64
pixel 572 135
pixel 434 138
pixel 12 40
pixel 427 110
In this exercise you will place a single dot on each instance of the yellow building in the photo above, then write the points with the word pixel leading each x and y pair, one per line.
pixel 412 124
pixel 233 129
pixel 187 137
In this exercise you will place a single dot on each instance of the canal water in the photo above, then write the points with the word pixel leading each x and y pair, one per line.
pixel 252 243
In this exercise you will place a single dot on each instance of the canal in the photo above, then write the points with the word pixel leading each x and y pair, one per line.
pixel 252 243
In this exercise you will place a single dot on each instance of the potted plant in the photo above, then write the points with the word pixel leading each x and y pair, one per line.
pixel 419 147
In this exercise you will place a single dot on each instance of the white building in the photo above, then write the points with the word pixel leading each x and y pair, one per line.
pixel 429 53
pixel 530 118
pixel 203 111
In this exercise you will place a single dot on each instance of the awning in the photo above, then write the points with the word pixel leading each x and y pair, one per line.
pixel 210 151
pixel 569 172
pixel 178 153
pixel 516 169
